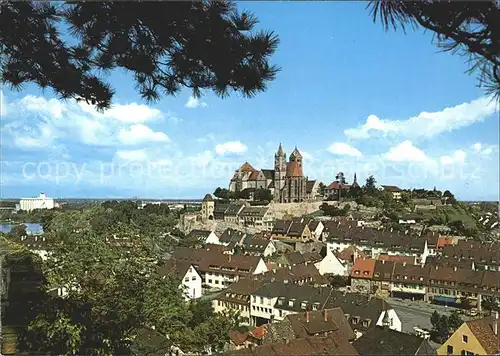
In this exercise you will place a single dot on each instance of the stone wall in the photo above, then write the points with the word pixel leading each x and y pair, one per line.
pixel 281 210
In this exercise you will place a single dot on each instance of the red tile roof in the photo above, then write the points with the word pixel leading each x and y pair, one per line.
pixel 347 254
pixel 208 197
pixel 443 241
pixel 293 169
pixel 363 268
pixel 337 186
pixel 246 167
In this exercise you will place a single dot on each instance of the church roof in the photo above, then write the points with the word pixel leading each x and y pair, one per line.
pixel 208 197
pixel 296 153
pixel 293 169
pixel 246 167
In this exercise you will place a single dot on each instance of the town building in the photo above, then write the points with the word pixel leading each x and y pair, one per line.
pixel 384 341
pixel 191 281
pixel 311 346
pixel 286 181
pixel 260 217
pixel 207 208
pixel 474 337
pixel 395 191
pixel 328 322
pixel 42 202
pixel 254 246
pixel 237 298
pixel 218 269
pixel 204 236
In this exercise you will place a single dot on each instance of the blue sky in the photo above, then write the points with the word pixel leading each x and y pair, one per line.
pixel 352 97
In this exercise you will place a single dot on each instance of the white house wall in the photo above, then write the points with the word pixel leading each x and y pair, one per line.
pixel 395 322
pixel 191 283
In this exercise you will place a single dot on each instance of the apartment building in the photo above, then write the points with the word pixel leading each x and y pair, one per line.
pixel 447 285
pixel 261 217
pixel 219 269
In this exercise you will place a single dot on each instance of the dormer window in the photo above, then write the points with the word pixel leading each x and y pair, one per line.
pixel 355 319
pixel 303 305
pixel 366 323
pixel 377 274
pixel 280 301
pixel 291 303
pixel 315 306
pixel 421 278
pixel 405 277
pixel 347 316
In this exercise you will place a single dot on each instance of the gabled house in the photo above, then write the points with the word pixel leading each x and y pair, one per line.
pixel 232 212
pixel 231 236
pixel 191 280
pixel 328 322
pixel 254 246
pixel 302 258
pixel 362 275
pixel 204 236
pixel 384 341
pixel 219 269
pixel 330 264
pixel 291 230
pixel 474 337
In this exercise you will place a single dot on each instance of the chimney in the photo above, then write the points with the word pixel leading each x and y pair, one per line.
pixel 404 263
pixel 307 316
pixel 325 314
pixel 229 257
pixel 495 324
pixel 454 268
pixel 437 267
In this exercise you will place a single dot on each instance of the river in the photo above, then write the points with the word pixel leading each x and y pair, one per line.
pixel 31 228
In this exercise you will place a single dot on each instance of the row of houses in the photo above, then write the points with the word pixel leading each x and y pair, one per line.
pixel 334 337
pixel 451 285
pixel 262 302
pixel 260 217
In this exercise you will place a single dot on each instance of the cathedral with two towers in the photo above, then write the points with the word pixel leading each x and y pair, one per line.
pixel 286 181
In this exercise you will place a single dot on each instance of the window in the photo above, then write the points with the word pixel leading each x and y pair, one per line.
pixel 254 298
pixel 186 279
pixel 465 338
pixel 193 278
pixel 261 300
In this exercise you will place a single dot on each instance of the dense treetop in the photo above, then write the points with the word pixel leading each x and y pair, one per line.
pixel 166 46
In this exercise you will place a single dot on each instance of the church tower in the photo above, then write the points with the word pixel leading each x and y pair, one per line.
pixel 279 172
pixel 296 157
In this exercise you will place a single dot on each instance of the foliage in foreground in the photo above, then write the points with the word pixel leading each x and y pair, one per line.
pixel 107 259
pixel 165 45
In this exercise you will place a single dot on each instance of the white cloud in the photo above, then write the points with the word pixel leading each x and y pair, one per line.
pixel 35 121
pixel 138 133
pixel 482 149
pixel 194 103
pixel 458 157
pixel 307 156
pixel 343 149
pixel 427 124
pixel 235 147
pixel 132 155
pixel 477 147
pixel 406 152
pixel 126 113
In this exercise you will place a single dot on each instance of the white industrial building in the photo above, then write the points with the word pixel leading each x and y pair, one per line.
pixel 42 202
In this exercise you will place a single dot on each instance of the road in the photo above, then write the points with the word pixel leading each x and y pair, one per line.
pixel 417 313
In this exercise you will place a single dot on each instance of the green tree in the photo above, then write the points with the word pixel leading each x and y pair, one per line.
pixel 321 189
pixel 451 24
pixel 222 193
pixel 263 194
pixel 454 320
pixel 110 269
pixel 18 231
pixel 370 185
pixel 165 45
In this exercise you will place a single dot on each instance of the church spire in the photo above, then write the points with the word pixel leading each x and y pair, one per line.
pixel 280 150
